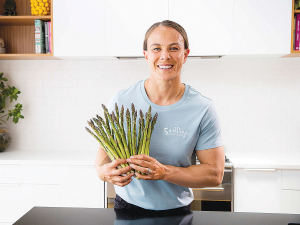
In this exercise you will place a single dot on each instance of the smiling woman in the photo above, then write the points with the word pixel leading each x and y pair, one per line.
pixel 187 126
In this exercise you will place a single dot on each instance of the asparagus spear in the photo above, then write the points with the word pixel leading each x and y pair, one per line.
pixel 146 130
pixel 134 115
pixel 122 134
pixel 150 133
pixel 129 131
pixel 114 129
pixel 139 135
pixel 112 141
pixel 143 132
pixel 117 111
pixel 105 144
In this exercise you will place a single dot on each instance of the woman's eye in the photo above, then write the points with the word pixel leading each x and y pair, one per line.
pixel 156 49
pixel 174 48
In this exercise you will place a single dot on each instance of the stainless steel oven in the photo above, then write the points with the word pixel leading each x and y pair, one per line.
pixel 216 198
pixel 205 199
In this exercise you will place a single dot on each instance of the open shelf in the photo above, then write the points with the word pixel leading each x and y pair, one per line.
pixel 18 32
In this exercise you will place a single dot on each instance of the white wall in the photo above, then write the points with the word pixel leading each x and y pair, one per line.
pixel 257 99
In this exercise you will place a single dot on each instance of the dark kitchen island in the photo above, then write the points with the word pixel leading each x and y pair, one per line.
pixel 97 216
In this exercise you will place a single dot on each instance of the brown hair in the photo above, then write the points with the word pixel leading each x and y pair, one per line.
pixel 167 23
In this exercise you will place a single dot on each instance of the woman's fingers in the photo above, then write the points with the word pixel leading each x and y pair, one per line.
pixel 117 162
pixel 119 172
pixel 139 168
pixel 122 184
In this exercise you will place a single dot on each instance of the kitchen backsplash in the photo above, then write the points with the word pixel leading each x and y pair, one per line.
pixel 257 99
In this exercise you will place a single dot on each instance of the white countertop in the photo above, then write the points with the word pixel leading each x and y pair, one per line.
pixel 19 157
pixel 87 158
pixel 265 160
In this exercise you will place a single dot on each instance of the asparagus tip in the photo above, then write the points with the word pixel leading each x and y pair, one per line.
pixel 104 107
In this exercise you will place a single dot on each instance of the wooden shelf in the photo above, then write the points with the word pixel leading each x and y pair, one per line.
pixel 28 57
pixel 18 33
pixel 21 20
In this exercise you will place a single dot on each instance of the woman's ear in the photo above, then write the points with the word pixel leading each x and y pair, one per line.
pixel 186 53
pixel 145 54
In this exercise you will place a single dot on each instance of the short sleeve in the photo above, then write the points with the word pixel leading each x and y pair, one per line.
pixel 210 130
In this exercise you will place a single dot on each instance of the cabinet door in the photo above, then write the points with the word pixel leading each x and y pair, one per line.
pixel 257 191
pixel 262 27
pixel 209 25
pixel 79 28
pixel 127 23
pixel 18 199
pixel 290 201
pixel 81 187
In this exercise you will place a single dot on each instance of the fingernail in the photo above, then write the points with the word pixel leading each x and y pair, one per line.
pixel 128 160
pixel 132 156
pixel 131 165
pixel 136 173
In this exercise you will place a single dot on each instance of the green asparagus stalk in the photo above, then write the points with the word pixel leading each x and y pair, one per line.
pixel 122 117
pixel 112 141
pixel 129 131
pixel 134 115
pixel 117 111
pixel 139 136
pixel 114 129
pixel 122 134
pixel 150 133
pixel 146 130
pixel 143 132
pixel 105 144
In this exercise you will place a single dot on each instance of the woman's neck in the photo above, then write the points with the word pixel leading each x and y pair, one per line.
pixel 164 92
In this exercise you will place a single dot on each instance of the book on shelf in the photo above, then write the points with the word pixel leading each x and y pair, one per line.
pixel 297 32
pixel 42 37
pixel 50 34
pixel 39 37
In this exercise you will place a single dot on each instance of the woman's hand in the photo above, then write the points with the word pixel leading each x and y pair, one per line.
pixel 109 172
pixel 143 163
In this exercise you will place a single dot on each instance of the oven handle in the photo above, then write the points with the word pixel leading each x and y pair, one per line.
pixel 219 188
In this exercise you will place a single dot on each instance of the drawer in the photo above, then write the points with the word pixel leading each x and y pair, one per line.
pixel 29 174
pixel 221 193
pixel 290 201
pixel 290 179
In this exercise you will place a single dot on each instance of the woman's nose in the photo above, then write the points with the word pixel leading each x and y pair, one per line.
pixel 165 55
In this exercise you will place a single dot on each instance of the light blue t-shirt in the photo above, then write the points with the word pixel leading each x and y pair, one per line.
pixel 181 128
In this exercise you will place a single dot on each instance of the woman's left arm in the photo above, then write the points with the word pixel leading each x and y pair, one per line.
pixel 208 174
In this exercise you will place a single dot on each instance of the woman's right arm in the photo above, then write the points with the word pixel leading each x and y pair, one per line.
pixel 107 170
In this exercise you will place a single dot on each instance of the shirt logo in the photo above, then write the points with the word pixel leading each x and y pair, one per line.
pixel 175 131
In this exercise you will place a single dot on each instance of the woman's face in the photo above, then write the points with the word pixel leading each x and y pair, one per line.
pixel 165 53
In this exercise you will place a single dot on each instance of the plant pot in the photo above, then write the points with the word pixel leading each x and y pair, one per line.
pixel 5 139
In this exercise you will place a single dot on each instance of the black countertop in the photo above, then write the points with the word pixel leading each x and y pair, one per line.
pixel 97 216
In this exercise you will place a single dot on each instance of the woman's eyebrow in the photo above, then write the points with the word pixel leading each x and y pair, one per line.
pixel 160 44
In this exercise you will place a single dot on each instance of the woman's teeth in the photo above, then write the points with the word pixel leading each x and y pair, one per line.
pixel 165 67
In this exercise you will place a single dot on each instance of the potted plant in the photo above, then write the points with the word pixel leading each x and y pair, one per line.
pixel 12 94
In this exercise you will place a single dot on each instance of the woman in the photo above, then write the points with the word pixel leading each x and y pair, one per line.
pixel 187 125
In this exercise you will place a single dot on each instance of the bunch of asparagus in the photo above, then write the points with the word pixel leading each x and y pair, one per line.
pixel 118 142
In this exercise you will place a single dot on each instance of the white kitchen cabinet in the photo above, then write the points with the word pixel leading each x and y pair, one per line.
pixel 17 199
pixel 290 201
pixel 81 188
pixel 79 28
pixel 262 27
pixel 209 25
pixel 25 186
pixel 290 191
pixel 127 23
pixel 257 190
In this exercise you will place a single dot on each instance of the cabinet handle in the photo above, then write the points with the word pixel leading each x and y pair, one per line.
pixel 271 170
pixel 219 188
pixel 14 185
